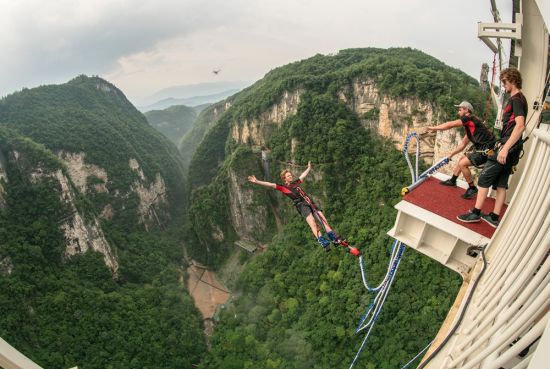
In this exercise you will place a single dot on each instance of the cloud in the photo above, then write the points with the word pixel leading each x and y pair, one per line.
pixel 144 46
pixel 55 40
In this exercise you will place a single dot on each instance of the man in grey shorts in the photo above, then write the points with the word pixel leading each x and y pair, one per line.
pixel 481 138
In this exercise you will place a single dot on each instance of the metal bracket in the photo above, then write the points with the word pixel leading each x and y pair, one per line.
pixel 485 31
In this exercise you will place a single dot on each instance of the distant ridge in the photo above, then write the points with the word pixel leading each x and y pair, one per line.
pixel 189 101
pixel 191 90
pixel 175 121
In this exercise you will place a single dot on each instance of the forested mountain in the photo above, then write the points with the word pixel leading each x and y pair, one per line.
pixel 173 122
pixel 91 199
pixel 296 306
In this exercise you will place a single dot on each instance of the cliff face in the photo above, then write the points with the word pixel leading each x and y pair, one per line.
pixel 82 172
pixel 393 117
pixel 248 218
pixel 81 233
pixel 257 130
pixel 152 196
pixel 3 179
pixel 390 117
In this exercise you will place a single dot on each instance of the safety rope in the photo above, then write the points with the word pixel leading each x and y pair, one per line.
pixel 417 355
pixel 365 283
pixel 410 136
pixel 428 172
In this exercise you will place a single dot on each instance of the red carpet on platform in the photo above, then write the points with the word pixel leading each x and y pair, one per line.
pixel 447 202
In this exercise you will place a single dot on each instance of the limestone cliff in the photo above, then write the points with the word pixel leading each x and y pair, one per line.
pixel 247 217
pixel 80 172
pixel 257 130
pixel 3 179
pixel 151 195
pixel 391 117
pixel 80 233
pixel 394 118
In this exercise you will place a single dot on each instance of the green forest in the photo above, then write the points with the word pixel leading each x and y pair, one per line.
pixel 73 311
pixel 293 305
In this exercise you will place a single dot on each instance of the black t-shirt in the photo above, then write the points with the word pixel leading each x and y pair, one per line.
pixel 516 107
pixel 477 132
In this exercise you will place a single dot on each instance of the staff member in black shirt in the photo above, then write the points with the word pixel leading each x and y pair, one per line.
pixel 508 149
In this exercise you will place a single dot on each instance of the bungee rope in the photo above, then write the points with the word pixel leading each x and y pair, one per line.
pixel 421 178
pixel 417 355
pixel 410 136
pixel 398 248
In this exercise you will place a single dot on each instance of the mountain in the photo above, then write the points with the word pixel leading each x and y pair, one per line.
pixel 190 101
pixel 173 122
pixel 198 89
pixel 91 205
pixel 348 113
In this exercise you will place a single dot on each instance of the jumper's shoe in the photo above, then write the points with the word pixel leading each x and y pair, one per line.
pixel 448 182
pixel 354 251
pixel 470 193
pixel 334 238
pixel 487 218
pixel 324 242
pixel 469 217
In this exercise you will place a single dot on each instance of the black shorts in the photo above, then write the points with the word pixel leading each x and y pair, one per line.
pixel 494 174
pixel 476 158
pixel 304 209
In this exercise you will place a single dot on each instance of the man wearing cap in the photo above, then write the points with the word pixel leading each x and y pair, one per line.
pixel 507 151
pixel 476 133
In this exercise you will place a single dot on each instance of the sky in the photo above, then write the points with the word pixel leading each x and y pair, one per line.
pixel 143 46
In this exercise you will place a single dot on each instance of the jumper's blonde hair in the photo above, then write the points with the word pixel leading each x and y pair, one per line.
pixel 283 173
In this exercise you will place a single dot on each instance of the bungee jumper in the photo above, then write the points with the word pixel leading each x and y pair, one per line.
pixel 306 208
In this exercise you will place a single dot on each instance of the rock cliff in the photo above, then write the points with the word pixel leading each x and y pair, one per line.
pixel 257 130
pixel 392 117
pixel 3 179
pixel 81 233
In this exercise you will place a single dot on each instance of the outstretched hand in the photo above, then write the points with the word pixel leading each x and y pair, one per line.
pixel 252 179
pixel 309 165
pixel 431 129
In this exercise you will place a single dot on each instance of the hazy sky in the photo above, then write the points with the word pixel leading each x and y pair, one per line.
pixel 143 46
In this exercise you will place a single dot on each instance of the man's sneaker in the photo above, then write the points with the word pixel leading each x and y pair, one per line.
pixel 470 193
pixel 469 217
pixel 448 182
pixel 324 242
pixel 490 220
